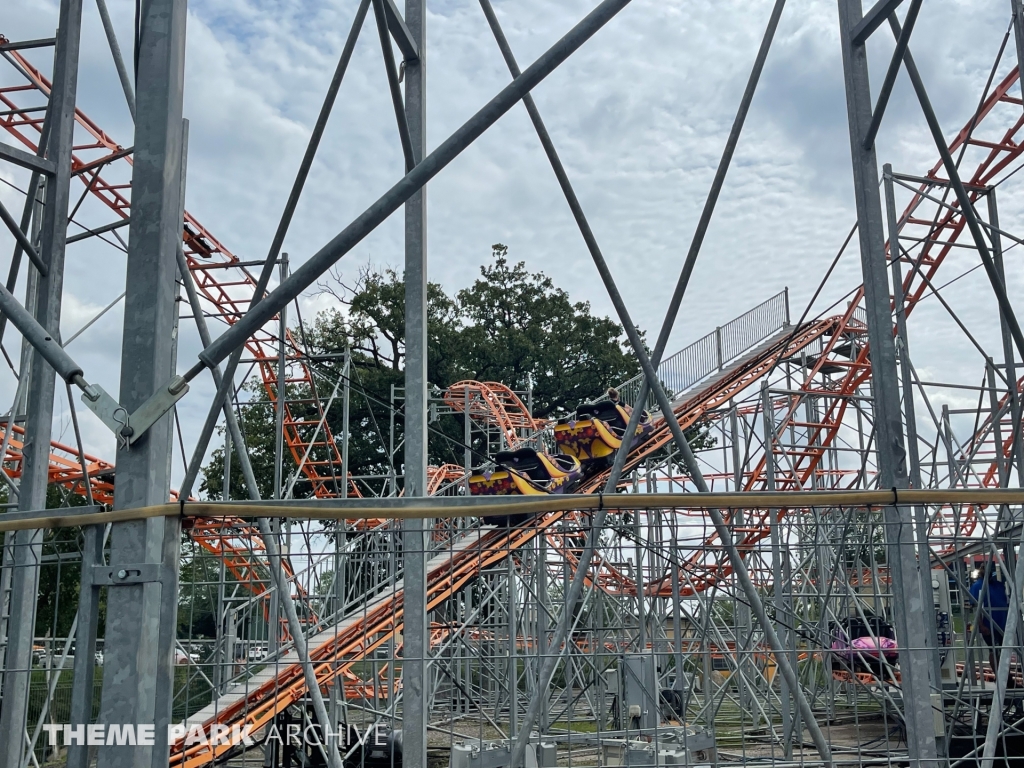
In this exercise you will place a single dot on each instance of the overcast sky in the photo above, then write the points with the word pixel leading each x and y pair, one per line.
pixel 639 115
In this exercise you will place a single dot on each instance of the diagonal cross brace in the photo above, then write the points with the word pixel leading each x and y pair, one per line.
pixel 129 427
pixel 403 37
pixel 873 19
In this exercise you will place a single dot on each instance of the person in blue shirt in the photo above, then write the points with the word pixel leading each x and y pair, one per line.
pixel 990 592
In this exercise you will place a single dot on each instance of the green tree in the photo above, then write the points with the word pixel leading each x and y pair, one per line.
pixel 520 328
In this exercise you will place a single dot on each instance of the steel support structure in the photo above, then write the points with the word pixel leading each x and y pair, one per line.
pixel 415 704
pixel 138 673
pixel 892 458
pixel 910 414
pixel 1015 459
pixel 652 383
pixel 489 615
pixel 1017 9
pixel 234 355
pixel 43 297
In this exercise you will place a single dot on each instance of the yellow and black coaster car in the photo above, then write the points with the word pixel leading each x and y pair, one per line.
pixel 596 431
pixel 526 472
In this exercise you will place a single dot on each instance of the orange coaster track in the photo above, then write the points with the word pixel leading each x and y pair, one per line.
pixel 65 467
pixel 338 650
pixel 494 404
pixel 227 287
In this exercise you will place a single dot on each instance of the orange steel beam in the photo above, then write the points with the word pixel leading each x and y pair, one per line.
pixel 440 476
pixel 65 467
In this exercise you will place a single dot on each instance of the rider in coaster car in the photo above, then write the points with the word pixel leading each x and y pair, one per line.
pixel 613 395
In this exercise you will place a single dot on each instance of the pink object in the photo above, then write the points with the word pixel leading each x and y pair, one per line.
pixel 867 646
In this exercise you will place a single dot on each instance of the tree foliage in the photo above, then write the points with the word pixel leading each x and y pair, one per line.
pixel 520 328
pixel 60 570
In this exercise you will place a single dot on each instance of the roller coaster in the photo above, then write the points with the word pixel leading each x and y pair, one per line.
pixel 833 353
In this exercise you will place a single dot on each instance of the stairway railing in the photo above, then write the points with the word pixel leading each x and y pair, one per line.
pixel 709 354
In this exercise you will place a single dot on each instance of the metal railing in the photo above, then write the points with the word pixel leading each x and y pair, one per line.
pixel 711 353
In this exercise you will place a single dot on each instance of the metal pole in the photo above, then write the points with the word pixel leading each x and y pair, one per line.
pixel 1017 7
pixel 46 296
pixel 910 416
pixel 346 393
pixel 543 644
pixel 651 381
pixel 138 673
pixel 283 587
pixel 903 565
pixel 282 386
pixel 392 479
pixel 268 531
pixel 414 543
pixel 275 247
pixel 22 239
pixel 387 48
pixel 966 204
pixel 677 624
pixel 115 52
pixel 221 668
pixel 17 414
pixel 513 659
pixel 226 487
pixel 782 615
pixel 33 202
pixel 85 641
pixel 641 613
pixel 1016 459
pixel 683 282
pixel 743 626
pixel 1009 355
